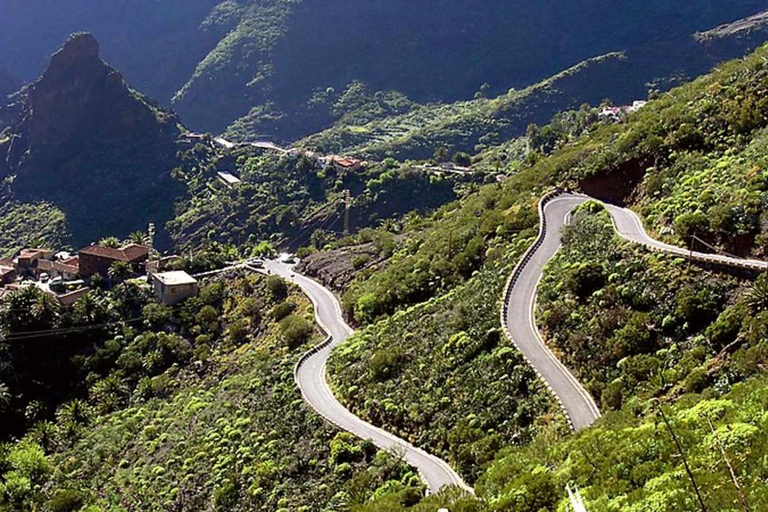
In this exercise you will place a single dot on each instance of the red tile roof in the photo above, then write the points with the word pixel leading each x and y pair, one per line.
pixel 347 161
pixel 129 253
pixel 44 265
pixel 66 268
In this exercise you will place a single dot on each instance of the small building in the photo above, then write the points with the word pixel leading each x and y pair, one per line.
pixel 97 260
pixel 346 163
pixel 68 299
pixel 68 269
pixel 224 143
pixel 173 287
pixel 160 265
pixel 26 261
pixel 228 178
pixel 7 275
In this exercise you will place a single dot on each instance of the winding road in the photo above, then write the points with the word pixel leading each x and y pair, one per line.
pixel 518 316
pixel 311 378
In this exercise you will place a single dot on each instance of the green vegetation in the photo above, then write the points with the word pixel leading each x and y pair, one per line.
pixel 637 327
pixel 632 323
pixel 289 198
pixel 189 407
pixel 456 241
pixel 470 126
pixel 30 225
pixel 442 375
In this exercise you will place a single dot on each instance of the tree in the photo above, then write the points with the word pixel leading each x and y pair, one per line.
pixel 462 159
pixel 441 154
pixel 138 237
pixel 75 411
pixel 120 271
pixel 5 397
pixel 689 224
pixel 110 242
pixel 757 297
pixel 277 288
pixel 295 330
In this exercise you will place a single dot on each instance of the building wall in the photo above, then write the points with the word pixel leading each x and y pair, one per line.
pixel 91 265
pixel 171 295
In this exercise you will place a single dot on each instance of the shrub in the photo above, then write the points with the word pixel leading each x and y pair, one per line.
pixel 689 224
pixel 65 500
pixel 277 288
pixel 282 310
pixel 385 364
pixel 360 261
pixel 295 331
pixel 586 279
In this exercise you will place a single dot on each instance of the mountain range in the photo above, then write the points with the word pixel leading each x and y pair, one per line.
pixel 219 61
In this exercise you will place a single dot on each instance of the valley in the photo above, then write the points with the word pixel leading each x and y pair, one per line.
pixel 469 258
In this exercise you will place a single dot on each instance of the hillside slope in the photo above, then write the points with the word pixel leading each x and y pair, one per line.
pixel 472 126
pixel 667 348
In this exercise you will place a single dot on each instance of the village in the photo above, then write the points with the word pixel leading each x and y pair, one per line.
pixel 68 276
pixel 340 163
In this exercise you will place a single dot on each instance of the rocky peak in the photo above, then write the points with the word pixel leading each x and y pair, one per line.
pixel 83 140
pixel 80 98
pixel 79 47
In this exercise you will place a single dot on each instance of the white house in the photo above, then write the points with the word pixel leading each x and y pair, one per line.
pixel 173 287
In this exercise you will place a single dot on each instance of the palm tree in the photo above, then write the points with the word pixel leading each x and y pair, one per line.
pixel 109 394
pixel 75 411
pixel 120 271
pixel 5 397
pixel 138 237
pixel 45 434
pixel 110 241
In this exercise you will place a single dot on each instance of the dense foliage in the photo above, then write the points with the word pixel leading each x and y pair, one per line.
pixel 192 407
pixel 290 198
pixel 30 225
pixel 443 375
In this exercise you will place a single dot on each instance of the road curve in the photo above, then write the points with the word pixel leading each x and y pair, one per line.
pixel 311 379
pixel 518 316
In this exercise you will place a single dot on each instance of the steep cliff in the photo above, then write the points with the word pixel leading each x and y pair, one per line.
pixel 86 142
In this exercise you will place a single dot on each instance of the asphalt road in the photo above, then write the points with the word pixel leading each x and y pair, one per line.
pixel 311 379
pixel 521 298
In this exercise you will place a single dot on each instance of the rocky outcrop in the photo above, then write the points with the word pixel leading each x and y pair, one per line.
pixel 85 141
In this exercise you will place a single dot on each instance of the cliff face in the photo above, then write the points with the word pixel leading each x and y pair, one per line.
pixel 80 97
pixel 83 140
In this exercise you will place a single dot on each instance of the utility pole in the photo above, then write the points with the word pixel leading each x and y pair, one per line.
pixel 347 204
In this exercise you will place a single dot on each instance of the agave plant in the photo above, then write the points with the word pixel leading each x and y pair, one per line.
pixel 757 297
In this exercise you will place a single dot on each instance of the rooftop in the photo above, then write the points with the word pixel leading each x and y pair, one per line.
pixel 175 278
pixel 228 178
pixel 128 253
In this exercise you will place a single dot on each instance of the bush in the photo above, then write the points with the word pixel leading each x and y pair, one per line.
pixel 282 310
pixel 360 261
pixel 65 500
pixel 612 397
pixel 277 288
pixel 385 364
pixel 295 331
pixel 586 279
pixel 689 224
